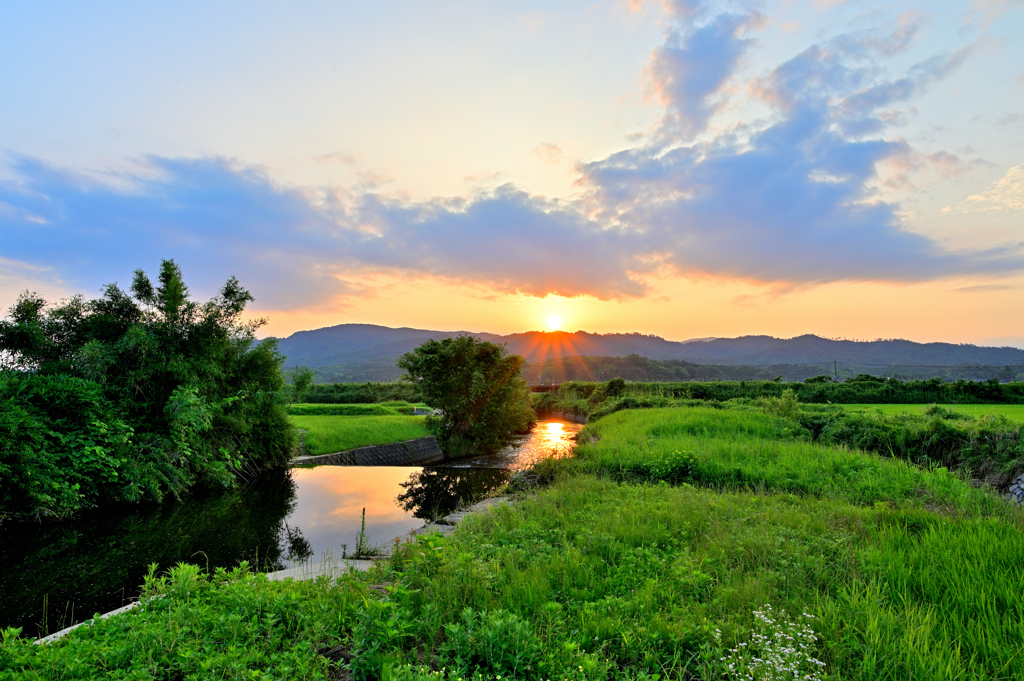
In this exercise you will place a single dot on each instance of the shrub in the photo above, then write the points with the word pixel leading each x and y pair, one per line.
pixel 475 388
pixel 169 393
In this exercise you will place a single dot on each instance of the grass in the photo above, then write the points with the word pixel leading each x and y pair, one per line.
pixel 378 409
pixel 230 625
pixel 611 572
pixel 329 434
pixel 1011 411
pixel 734 449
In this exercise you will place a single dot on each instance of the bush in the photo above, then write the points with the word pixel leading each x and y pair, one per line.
pixel 134 396
pixel 475 388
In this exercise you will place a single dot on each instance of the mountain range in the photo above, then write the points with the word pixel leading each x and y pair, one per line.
pixel 366 352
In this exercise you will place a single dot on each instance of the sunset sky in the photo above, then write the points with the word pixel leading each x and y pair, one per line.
pixel 686 169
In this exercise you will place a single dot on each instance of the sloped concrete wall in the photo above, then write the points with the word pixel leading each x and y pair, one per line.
pixel 419 452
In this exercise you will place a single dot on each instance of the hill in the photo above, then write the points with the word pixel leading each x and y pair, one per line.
pixel 367 352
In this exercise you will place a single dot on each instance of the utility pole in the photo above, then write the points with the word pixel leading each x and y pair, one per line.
pixel 835 370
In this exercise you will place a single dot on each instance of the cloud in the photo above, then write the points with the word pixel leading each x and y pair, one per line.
pixel 988 11
pixel 295 249
pixel 788 202
pixel 793 201
pixel 216 219
pixel 1006 194
pixel 688 70
pixel 984 288
pixel 508 239
pixel 549 153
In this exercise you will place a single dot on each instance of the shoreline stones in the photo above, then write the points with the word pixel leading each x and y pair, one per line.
pixel 1015 493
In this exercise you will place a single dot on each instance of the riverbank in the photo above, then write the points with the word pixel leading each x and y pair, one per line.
pixel 650 552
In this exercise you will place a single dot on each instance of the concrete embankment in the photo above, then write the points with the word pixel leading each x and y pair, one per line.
pixel 564 415
pixel 419 452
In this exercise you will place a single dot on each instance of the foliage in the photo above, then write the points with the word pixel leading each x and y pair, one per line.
pixel 990 445
pixel 377 409
pixel 64 445
pixel 301 381
pixel 475 388
pixel 909 573
pixel 361 393
pixel 874 391
pixel 786 405
pixel 231 624
pixel 329 434
pixel 184 394
pixel 777 649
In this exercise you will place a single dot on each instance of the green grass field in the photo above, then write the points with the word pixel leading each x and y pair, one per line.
pixel 329 434
pixel 1012 411
pixel 375 409
pixel 673 543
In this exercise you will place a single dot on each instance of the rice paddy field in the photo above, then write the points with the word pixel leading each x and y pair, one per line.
pixel 1011 411
pixel 682 543
pixel 326 434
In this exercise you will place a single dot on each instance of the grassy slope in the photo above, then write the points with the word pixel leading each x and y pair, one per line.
pixel 1012 411
pixel 609 573
pixel 329 434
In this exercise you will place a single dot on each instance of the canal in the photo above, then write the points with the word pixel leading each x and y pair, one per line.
pixel 59 573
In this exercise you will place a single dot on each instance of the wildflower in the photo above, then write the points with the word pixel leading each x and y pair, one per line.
pixel 775 655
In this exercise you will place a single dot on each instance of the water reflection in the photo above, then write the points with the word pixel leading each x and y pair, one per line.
pixel 95 563
pixel 550 438
pixel 435 492
pixel 331 499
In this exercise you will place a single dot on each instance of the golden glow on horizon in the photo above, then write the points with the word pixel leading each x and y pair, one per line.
pixel 678 309
pixel 554 323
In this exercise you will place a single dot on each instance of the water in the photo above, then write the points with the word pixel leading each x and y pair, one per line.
pixel 57 574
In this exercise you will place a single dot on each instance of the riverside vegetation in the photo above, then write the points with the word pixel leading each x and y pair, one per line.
pixel 135 395
pixel 479 400
pixel 680 542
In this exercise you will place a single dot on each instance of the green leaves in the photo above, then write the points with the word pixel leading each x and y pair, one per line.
pixel 476 389
pixel 149 389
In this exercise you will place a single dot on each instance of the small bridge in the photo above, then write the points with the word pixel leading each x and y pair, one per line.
pixel 544 387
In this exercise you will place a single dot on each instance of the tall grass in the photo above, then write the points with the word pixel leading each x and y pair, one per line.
pixel 329 434
pixel 611 573
pixel 732 449
pixel 1012 411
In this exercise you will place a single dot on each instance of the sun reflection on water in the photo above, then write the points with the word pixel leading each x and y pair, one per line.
pixel 549 439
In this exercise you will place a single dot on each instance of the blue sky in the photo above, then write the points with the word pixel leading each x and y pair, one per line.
pixel 683 168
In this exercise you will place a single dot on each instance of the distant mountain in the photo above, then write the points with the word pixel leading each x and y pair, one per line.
pixel 362 352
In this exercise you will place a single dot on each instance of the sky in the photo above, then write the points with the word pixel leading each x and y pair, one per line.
pixel 680 168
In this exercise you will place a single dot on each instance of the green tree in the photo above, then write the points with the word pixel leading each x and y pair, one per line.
pixel 475 387
pixel 185 394
pixel 302 380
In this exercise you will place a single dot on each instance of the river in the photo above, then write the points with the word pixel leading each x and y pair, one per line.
pixel 59 573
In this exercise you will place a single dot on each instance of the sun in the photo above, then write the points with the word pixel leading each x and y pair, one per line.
pixel 554 323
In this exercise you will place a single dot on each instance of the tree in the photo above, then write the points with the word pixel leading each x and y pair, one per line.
pixel 190 394
pixel 481 400
pixel 302 380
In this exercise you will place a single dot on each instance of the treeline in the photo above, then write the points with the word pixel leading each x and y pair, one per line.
pixel 821 390
pixel 360 393
pixel 633 368
pixel 134 395
pixel 636 368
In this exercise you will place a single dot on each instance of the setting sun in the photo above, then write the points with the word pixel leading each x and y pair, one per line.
pixel 554 323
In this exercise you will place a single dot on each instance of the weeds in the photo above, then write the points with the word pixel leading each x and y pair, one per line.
pixel 778 649
pixel 608 571
pixel 363 548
